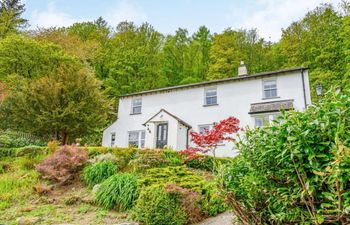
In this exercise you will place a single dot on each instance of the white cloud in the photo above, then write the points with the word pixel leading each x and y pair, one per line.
pixel 51 17
pixel 125 10
pixel 274 15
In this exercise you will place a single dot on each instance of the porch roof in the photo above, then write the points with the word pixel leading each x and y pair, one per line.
pixel 170 114
pixel 273 106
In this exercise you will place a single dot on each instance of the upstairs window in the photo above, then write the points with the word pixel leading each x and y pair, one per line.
pixel 210 96
pixel 136 106
pixel 137 138
pixel 270 88
pixel 112 139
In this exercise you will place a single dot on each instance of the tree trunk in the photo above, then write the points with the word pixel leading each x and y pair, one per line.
pixel 64 137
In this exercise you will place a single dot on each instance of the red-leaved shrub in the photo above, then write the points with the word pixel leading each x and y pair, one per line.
pixel 63 165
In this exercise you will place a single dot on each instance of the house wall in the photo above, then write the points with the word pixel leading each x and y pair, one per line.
pixel 234 99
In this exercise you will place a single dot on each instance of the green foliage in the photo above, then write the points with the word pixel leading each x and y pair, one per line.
pixel 98 172
pixel 212 203
pixel 29 59
pixel 207 162
pixel 71 104
pixel 178 175
pixel 148 158
pixel 173 157
pixel 10 17
pixel 156 207
pixel 297 170
pixel 118 191
pixel 10 139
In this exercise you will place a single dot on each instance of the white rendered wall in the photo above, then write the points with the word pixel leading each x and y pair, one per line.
pixel 234 99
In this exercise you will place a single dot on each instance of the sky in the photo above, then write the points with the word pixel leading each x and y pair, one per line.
pixel 268 16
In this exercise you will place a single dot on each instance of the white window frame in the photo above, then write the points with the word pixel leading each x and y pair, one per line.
pixel 210 126
pixel 134 106
pixel 265 119
pixel 269 89
pixel 113 136
pixel 141 136
pixel 209 89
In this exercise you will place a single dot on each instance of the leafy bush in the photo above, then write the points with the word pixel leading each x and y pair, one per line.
pixel 63 165
pixel 122 155
pixel 157 207
pixel 32 151
pixel 118 191
pixel 96 173
pixel 103 158
pixel 11 139
pixel 212 203
pixel 206 162
pixel 188 200
pixel 148 158
pixel 178 175
pixel 173 157
pixel 297 170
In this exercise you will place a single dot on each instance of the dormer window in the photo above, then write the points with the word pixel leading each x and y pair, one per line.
pixel 270 88
pixel 210 96
pixel 136 106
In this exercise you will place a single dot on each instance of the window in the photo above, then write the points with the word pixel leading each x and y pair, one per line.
pixel 210 96
pixel 265 119
pixel 203 128
pixel 270 88
pixel 136 106
pixel 112 139
pixel 206 127
pixel 137 138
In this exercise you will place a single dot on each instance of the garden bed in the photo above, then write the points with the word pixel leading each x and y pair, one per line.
pixel 27 197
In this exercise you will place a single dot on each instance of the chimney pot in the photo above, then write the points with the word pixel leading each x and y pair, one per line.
pixel 242 69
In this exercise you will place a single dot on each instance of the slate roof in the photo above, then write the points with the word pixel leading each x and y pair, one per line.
pixel 273 106
pixel 230 79
pixel 172 115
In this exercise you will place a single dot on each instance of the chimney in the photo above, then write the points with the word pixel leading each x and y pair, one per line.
pixel 242 69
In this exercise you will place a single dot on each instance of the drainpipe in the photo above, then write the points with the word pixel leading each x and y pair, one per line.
pixel 187 132
pixel 304 92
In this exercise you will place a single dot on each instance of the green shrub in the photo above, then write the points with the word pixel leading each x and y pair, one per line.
pixel 148 158
pixel 173 157
pixel 212 203
pixel 32 151
pixel 122 155
pixel 297 170
pixel 98 172
pixel 12 139
pixel 118 191
pixel 207 162
pixel 156 207
pixel 178 175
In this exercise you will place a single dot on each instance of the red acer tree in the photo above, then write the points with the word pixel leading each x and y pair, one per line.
pixel 208 140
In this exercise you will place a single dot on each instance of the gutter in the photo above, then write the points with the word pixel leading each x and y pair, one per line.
pixel 304 92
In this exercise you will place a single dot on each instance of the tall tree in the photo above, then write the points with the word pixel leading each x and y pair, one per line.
pixel 28 58
pixel 10 16
pixel 175 62
pixel 199 48
pixel 67 103
pixel 130 61
pixel 316 42
pixel 225 55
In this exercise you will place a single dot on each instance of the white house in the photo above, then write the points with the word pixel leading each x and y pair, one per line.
pixel 164 117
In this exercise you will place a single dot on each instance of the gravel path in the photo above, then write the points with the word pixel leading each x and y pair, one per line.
pixel 225 218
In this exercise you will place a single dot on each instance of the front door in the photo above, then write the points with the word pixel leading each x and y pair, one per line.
pixel 162 135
